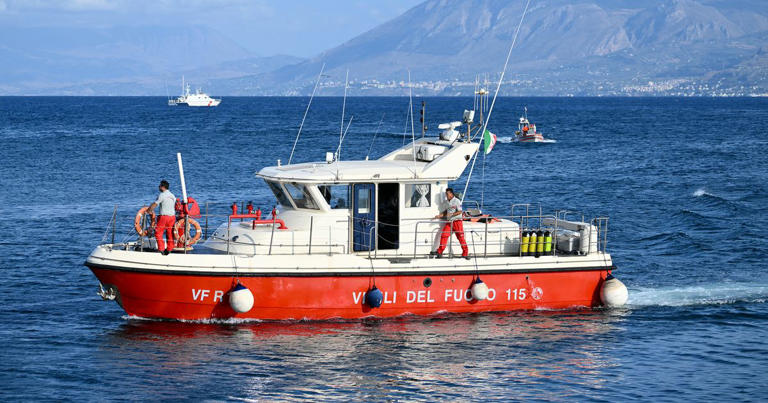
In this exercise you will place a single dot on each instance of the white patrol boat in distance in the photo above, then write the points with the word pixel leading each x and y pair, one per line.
pixel 355 239
pixel 199 98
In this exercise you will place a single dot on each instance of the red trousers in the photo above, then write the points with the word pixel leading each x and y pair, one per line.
pixel 164 226
pixel 458 229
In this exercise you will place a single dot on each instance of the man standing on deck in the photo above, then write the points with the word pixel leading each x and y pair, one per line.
pixel 166 219
pixel 453 215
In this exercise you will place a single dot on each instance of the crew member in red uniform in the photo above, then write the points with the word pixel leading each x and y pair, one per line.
pixel 453 215
pixel 166 219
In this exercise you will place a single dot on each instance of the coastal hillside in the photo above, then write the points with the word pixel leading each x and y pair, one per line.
pixel 582 47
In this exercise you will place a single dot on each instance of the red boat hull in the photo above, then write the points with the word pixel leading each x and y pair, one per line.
pixel 200 297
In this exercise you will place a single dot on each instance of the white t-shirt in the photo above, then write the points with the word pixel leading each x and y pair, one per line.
pixel 454 205
pixel 166 202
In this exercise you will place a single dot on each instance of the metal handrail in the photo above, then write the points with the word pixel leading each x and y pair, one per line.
pixel 477 204
pixel 497 228
pixel 601 223
pixel 522 222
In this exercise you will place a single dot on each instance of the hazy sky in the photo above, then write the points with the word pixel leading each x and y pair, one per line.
pixel 295 27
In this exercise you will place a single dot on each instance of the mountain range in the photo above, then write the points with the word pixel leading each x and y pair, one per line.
pixel 565 47
pixel 121 60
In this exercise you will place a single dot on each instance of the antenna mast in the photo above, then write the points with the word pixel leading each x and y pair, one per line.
pixel 374 136
pixel 493 102
pixel 422 119
pixel 338 150
pixel 343 107
pixel 413 133
pixel 305 113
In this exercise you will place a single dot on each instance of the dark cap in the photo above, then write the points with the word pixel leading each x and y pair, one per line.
pixel 164 183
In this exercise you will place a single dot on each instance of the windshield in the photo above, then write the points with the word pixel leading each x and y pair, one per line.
pixel 300 195
pixel 279 194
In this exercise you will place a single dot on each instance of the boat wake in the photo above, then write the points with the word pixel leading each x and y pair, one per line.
pixel 512 139
pixel 211 321
pixel 706 294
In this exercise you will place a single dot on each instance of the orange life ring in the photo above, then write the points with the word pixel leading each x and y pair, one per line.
pixel 137 221
pixel 179 228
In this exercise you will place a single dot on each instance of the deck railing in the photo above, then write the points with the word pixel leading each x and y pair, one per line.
pixel 494 236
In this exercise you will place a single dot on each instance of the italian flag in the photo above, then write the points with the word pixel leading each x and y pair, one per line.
pixel 489 140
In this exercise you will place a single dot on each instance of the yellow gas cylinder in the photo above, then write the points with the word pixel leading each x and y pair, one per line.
pixel 547 243
pixel 540 244
pixel 532 244
pixel 524 243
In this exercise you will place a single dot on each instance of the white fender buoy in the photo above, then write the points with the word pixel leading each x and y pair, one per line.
pixel 479 290
pixel 241 299
pixel 613 292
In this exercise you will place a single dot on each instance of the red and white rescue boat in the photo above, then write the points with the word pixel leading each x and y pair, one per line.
pixel 526 131
pixel 353 240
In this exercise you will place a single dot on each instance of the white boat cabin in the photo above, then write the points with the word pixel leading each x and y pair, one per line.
pixel 383 208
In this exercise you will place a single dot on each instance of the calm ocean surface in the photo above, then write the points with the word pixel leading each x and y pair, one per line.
pixel 683 180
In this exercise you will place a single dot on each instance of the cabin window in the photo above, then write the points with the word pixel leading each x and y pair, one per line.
pixel 337 196
pixel 418 195
pixel 300 195
pixel 279 194
pixel 363 200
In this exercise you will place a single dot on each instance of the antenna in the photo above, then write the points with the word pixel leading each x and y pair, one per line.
pixel 493 102
pixel 343 107
pixel 410 107
pixel 305 112
pixel 423 115
pixel 487 94
pixel 181 175
pixel 374 135
pixel 481 101
pixel 343 136
pixel 405 126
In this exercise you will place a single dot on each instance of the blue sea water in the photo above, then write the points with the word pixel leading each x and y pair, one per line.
pixel 683 180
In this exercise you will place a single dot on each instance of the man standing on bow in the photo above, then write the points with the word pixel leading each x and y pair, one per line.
pixel 166 219
pixel 453 215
